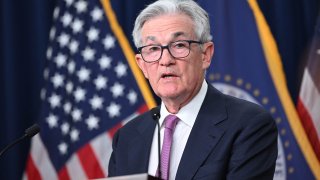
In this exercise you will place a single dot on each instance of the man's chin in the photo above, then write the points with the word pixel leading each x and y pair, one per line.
pixel 172 95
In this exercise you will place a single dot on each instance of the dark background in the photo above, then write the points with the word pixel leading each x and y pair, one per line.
pixel 24 36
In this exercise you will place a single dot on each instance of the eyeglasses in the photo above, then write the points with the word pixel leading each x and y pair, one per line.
pixel 178 49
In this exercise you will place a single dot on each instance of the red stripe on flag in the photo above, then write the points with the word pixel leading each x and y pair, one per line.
pixel 307 123
pixel 90 163
pixel 143 109
pixel 63 174
pixel 31 170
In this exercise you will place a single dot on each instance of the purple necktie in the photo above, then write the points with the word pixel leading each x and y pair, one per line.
pixel 170 124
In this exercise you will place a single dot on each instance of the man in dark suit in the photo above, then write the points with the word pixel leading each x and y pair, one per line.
pixel 204 134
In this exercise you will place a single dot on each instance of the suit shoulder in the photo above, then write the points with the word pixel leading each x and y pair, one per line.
pixel 238 104
pixel 138 121
pixel 245 111
pixel 230 103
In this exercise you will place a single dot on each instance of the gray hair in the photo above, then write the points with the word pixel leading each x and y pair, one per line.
pixel 198 15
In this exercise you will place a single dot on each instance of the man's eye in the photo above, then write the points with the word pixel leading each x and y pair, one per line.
pixel 153 48
pixel 179 45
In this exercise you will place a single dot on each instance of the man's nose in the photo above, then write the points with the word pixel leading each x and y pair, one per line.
pixel 166 58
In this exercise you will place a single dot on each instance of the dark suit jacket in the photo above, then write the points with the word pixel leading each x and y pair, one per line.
pixel 231 139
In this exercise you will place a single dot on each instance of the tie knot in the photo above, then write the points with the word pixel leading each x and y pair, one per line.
pixel 171 121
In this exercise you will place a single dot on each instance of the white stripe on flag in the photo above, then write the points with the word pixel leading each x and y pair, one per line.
pixel 74 168
pixel 24 176
pixel 41 159
pixel 310 98
pixel 102 147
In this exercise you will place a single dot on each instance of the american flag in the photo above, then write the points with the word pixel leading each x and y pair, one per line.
pixel 90 91
pixel 309 98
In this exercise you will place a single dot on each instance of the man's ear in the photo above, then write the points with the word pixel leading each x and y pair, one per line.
pixel 208 51
pixel 142 65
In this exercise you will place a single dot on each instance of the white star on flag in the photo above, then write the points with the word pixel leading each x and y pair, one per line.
pixel 49 53
pixel 54 100
pixel 93 34
pixel 109 42
pixel 52 121
pixel 52 33
pixel 67 107
pixel 79 94
pixel 63 148
pixel 105 62
pixel 97 14
pixel 43 93
pixel 101 82
pixel 88 54
pixel 117 90
pixel 74 135
pixel 77 25
pixel 69 87
pixel 76 115
pixel 71 67
pixel 56 12
pixel 73 46
pixel 69 2
pixel 83 74
pixel 132 97
pixel 65 128
pixel 57 80
pixel 61 60
pixel 66 19
pixel 96 102
pixel 81 6
pixel 113 109
pixel 63 39
pixel 121 70
pixel 92 122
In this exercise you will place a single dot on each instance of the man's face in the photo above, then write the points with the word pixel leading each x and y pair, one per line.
pixel 174 79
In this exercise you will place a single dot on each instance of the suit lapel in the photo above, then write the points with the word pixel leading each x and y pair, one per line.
pixel 140 146
pixel 204 135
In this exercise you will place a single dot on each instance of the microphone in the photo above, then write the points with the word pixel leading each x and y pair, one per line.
pixel 155 113
pixel 156 116
pixel 28 133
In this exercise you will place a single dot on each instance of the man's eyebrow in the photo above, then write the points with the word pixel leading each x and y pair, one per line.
pixel 177 34
pixel 152 38
pixel 174 35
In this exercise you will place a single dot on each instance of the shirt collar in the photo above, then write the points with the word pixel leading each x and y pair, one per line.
pixel 189 112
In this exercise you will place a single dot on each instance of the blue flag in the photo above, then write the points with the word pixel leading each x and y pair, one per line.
pixel 247 65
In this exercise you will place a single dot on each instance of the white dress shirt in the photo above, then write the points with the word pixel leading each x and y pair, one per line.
pixel 187 115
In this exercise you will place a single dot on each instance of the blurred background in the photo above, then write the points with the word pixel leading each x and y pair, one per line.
pixel 24 37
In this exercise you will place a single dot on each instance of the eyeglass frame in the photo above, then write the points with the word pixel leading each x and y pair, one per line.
pixel 167 47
